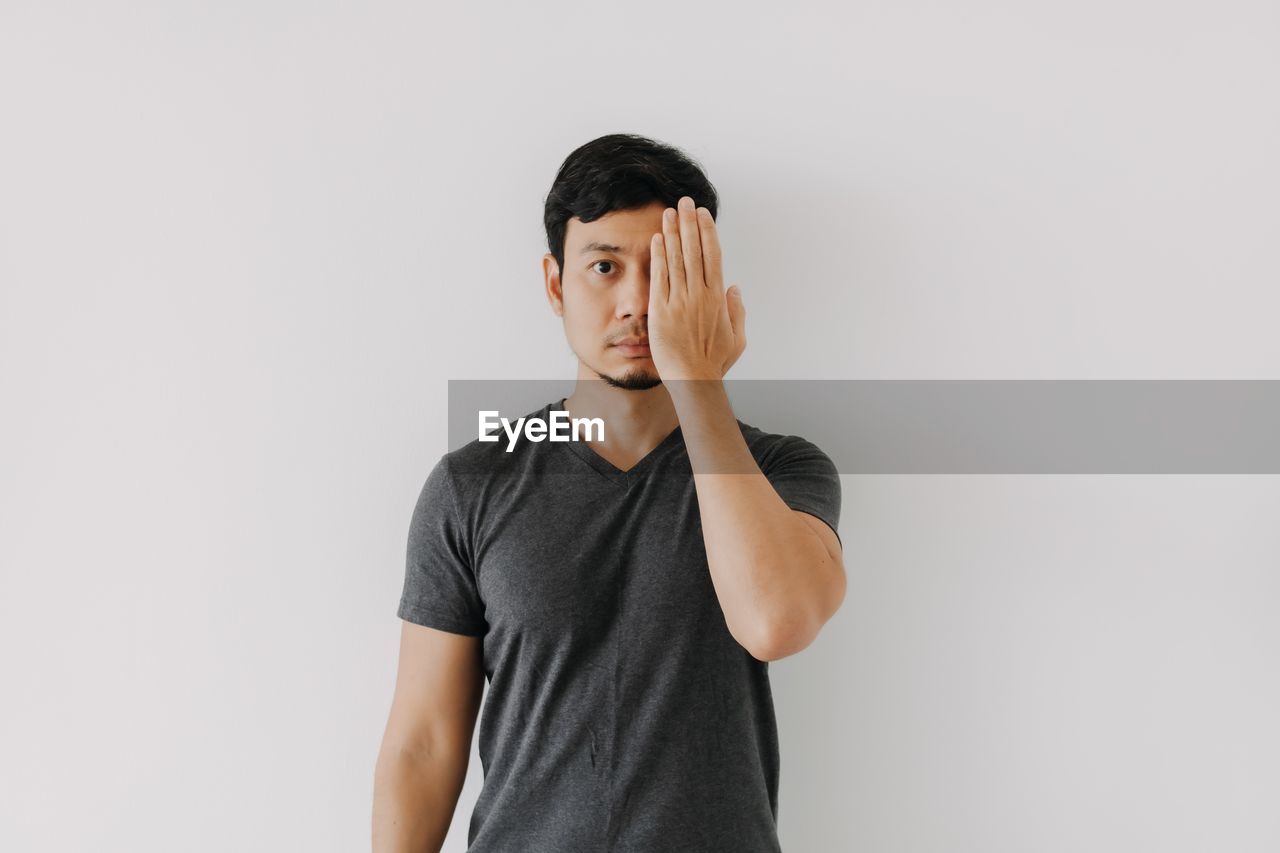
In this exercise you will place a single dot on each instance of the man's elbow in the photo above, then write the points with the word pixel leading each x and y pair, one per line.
pixel 784 639
pixel 796 631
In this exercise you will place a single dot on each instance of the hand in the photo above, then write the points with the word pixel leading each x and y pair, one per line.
pixel 696 330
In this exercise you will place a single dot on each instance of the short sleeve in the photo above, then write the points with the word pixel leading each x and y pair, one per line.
pixel 440 588
pixel 805 478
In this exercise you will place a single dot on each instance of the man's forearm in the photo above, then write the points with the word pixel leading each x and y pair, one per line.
pixel 772 573
pixel 414 796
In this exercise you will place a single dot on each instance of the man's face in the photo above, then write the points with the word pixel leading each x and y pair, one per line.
pixel 603 294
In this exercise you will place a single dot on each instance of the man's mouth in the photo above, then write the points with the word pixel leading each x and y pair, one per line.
pixel 634 347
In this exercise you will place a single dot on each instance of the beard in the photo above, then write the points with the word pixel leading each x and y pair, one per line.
pixel 632 380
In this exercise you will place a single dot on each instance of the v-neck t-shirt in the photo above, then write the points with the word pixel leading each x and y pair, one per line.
pixel 621 714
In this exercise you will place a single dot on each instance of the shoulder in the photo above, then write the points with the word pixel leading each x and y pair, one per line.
pixel 773 449
pixel 495 453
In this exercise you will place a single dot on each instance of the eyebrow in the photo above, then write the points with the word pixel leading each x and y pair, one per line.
pixel 595 246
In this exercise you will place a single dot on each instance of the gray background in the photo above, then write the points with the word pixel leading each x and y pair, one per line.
pixel 243 246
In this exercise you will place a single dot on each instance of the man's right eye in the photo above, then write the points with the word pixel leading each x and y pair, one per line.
pixel 598 263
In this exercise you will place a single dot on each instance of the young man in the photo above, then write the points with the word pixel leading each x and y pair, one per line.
pixel 624 596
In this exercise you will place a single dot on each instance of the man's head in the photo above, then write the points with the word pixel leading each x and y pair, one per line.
pixel 603 208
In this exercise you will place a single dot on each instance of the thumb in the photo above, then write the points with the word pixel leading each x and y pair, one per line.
pixel 737 311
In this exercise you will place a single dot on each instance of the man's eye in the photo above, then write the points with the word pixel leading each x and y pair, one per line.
pixel 607 263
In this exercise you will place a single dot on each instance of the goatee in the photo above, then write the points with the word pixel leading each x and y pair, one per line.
pixel 635 380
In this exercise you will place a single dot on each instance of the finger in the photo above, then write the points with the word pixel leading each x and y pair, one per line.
pixel 737 314
pixel 690 244
pixel 659 286
pixel 712 272
pixel 675 263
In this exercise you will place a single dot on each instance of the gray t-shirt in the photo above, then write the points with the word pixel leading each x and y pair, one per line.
pixel 621 714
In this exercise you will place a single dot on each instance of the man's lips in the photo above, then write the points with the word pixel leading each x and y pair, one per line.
pixel 634 346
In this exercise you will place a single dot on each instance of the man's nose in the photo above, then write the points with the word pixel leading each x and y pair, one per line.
pixel 633 294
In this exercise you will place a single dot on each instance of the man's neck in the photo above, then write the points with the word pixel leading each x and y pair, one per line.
pixel 635 422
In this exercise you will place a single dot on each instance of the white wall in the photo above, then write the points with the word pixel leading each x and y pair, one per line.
pixel 244 245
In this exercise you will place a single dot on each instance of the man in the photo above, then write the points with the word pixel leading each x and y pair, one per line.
pixel 623 597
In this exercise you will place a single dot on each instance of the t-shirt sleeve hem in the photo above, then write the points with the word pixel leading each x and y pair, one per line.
pixel 818 514
pixel 439 621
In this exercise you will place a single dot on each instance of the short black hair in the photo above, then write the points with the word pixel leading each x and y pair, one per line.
pixel 620 171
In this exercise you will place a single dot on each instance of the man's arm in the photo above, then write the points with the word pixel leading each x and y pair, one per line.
pixel 423 760
pixel 778 572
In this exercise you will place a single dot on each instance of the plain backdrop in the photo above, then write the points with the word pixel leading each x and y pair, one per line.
pixel 243 247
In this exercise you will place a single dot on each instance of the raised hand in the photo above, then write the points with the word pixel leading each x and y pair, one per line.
pixel 696 328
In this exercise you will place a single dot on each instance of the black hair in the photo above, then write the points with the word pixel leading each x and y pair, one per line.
pixel 620 171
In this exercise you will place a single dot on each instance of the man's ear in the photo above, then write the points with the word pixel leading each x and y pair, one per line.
pixel 551 281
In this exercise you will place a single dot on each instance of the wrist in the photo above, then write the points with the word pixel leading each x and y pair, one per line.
pixel 700 374
pixel 694 387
